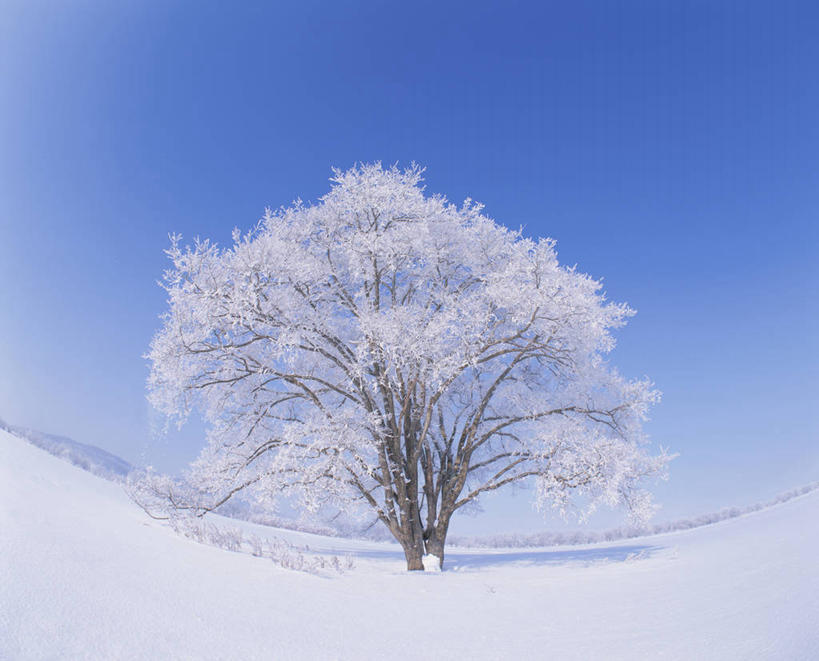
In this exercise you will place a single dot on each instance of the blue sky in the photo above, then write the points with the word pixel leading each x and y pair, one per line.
pixel 669 148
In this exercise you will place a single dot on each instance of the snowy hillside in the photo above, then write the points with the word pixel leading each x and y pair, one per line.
pixel 88 457
pixel 84 574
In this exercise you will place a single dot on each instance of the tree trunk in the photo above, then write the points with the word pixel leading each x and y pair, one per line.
pixel 435 546
pixel 437 540
pixel 414 553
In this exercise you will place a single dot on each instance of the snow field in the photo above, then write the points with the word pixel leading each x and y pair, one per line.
pixel 84 574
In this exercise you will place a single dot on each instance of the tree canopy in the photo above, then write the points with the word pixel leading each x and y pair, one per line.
pixel 387 349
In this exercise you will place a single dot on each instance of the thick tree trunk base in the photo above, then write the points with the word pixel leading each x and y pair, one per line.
pixel 414 554
pixel 416 549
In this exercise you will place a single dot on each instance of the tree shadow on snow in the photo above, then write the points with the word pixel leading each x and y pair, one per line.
pixel 457 560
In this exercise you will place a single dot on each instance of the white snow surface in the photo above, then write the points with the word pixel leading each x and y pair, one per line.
pixel 85 574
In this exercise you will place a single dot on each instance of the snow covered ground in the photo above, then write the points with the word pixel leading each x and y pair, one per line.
pixel 84 573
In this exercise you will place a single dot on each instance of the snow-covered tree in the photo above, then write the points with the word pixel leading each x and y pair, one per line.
pixel 390 350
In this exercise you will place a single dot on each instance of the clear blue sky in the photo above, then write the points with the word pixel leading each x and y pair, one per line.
pixel 671 148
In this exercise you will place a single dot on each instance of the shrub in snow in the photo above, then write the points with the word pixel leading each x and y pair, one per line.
pixel 279 551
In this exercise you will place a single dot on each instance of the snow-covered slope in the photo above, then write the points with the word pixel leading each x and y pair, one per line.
pixel 85 574
pixel 88 457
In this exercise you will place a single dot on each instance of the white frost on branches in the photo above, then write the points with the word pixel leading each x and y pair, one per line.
pixel 389 349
